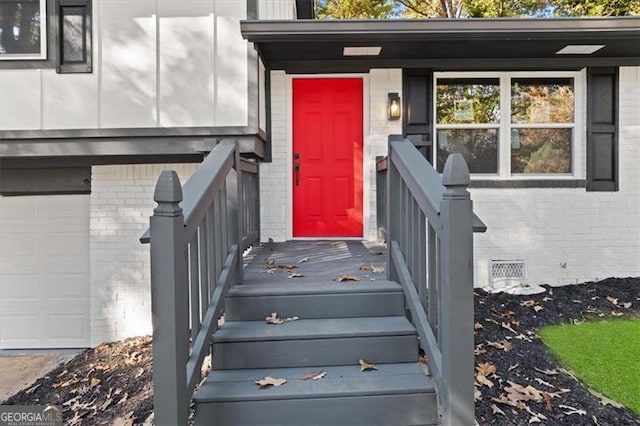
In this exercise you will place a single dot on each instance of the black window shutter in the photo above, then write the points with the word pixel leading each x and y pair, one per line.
pixel 74 36
pixel 417 120
pixel 602 129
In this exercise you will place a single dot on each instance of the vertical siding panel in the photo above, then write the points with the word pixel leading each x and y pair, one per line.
pixel 70 101
pixel 231 91
pixel 186 63
pixel 128 62
pixel 20 100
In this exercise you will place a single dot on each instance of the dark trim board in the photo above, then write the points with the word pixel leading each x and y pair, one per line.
pixel 529 183
pixel 132 132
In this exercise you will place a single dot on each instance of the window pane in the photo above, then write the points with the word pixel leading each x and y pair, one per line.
pixel 468 100
pixel 20 27
pixel 479 147
pixel 73 34
pixel 542 100
pixel 541 150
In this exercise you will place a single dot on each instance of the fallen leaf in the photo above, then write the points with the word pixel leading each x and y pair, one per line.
pixel 496 410
pixel 377 269
pixel 604 400
pixel 275 320
pixel 479 350
pixel 295 275
pixel 542 382
pixel 528 303
pixel 270 381
pixel 612 300
pixel 547 400
pixel 270 263
pixel 477 326
pixel 336 244
pixel 482 380
pixel 486 368
pixel 477 395
pixel 513 367
pixel 547 371
pixel 537 308
pixel 346 277
pixel 365 366
pixel 95 382
pixel 504 345
pixel 365 267
pixel 569 410
pixel 595 420
pixel 376 253
pixel 303 260
pixel 546 299
pixel 507 314
pixel 271 271
pixel 616 314
pixel 506 325
pixel 313 375
pixel 627 305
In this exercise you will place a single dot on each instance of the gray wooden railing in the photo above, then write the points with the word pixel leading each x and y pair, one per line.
pixel 196 256
pixel 430 225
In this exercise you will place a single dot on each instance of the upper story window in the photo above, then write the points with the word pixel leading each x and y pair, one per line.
pixel 46 34
pixel 508 125
pixel 23 29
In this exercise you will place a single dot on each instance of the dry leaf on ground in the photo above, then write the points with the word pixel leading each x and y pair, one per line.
pixel 477 326
pixel 365 366
pixel 365 267
pixel 270 263
pixel 497 410
pixel 295 275
pixel 275 320
pixel 303 260
pixel 346 277
pixel 503 344
pixel 313 375
pixel 377 269
pixel 481 379
pixel 486 368
pixel 270 381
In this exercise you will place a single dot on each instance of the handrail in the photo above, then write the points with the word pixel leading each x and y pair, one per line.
pixel 197 235
pixel 430 225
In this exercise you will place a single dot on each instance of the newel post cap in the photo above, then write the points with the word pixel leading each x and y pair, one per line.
pixel 456 171
pixel 168 194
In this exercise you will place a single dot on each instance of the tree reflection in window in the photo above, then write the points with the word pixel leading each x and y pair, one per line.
pixel 21 29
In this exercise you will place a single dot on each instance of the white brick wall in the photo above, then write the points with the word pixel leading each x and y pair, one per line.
pixel 275 180
pixel 120 205
pixel 595 234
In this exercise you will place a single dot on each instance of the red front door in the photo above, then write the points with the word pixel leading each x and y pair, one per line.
pixel 327 157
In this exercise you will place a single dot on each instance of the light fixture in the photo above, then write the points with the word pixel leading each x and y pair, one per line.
pixel 393 106
pixel 579 49
pixel 361 50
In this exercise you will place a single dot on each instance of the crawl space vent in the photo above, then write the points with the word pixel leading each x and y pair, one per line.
pixel 509 271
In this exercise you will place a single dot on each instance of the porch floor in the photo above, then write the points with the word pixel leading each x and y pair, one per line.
pixel 325 260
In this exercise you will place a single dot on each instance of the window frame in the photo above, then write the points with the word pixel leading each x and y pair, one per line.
pixel 504 126
pixel 47 32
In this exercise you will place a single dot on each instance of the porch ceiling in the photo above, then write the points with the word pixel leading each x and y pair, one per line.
pixel 478 44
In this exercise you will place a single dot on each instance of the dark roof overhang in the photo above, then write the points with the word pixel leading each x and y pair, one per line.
pixel 308 46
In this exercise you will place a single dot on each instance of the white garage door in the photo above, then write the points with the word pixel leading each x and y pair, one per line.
pixel 44 271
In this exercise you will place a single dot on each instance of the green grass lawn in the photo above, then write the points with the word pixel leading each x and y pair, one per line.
pixel 603 354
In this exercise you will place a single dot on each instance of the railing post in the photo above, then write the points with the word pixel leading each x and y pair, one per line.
pixel 393 207
pixel 236 209
pixel 169 304
pixel 456 295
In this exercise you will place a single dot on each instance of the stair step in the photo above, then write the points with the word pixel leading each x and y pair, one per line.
pixel 315 300
pixel 335 341
pixel 397 393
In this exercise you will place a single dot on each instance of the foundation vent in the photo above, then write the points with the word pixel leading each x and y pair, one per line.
pixel 507 270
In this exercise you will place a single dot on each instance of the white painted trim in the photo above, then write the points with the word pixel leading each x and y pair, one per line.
pixel 365 149
pixel 578 160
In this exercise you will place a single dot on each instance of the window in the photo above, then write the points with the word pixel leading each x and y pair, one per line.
pixel 46 34
pixel 508 125
pixel 23 29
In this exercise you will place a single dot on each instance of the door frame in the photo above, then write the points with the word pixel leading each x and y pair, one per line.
pixel 366 181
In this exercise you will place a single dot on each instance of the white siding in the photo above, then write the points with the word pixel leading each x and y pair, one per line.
pixel 156 64
pixel 20 99
pixel 276 9
pixel 275 182
pixel 120 206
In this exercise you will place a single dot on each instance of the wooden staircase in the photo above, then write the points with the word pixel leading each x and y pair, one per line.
pixel 340 323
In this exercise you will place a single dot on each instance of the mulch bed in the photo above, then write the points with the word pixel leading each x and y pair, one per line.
pixel 111 384
pixel 528 385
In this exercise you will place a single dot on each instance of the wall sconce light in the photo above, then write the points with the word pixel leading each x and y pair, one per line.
pixel 394 107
